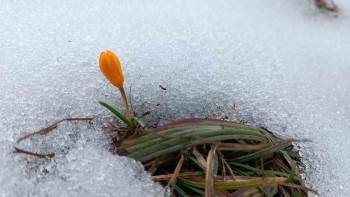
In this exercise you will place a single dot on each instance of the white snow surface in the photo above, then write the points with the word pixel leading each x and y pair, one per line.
pixel 283 63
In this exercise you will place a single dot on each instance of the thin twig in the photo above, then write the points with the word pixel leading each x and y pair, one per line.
pixel 165 177
pixel 223 171
pixel 40 155
pixel 45 131
pixel 227 166
pixel 177 170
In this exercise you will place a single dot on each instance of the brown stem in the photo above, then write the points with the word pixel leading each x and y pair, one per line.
pixel 53 126
pixel 176 173
pixel 125 101
pixel 40 155
pixel 45 131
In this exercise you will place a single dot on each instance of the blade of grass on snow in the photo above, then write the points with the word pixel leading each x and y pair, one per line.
pixel 119 115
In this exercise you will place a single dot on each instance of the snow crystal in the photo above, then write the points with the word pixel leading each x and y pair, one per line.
pixel 283 63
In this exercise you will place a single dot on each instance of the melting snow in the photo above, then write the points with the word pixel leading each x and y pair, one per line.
pixel 284 64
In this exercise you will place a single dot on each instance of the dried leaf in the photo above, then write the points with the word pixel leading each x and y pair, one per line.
pixel 201 160
pixel 209 173
pixel 177 170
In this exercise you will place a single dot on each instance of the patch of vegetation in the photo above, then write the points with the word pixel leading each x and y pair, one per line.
pixel 209 157
pixel 200 157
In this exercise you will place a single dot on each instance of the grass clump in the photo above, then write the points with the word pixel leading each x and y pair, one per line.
pixel 201 157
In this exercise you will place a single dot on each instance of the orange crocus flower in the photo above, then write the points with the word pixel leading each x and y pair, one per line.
pixel 111 68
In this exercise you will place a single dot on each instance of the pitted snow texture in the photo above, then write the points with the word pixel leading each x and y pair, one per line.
pixel 283 63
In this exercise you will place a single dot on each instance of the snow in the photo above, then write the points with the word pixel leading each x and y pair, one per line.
pixel 283 63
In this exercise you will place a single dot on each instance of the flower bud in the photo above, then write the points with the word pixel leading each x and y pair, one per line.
pixel 111 68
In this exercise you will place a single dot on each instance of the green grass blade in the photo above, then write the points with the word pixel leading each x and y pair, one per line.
pixel 291 163
pixel 190 128
pixel 216 164
pixel 264 152
pixel 119 115
pixel 172 145
pixel 256 171
pixel 207 135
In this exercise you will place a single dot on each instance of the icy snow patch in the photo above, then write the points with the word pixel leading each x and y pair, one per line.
pixel 82 166
pixel 284 64
pixel 91 171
